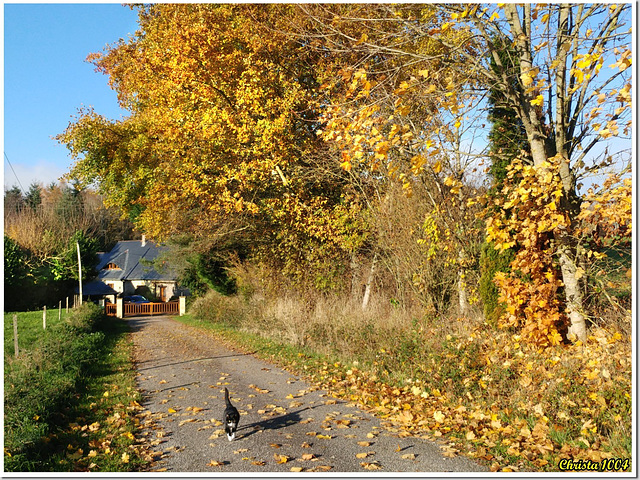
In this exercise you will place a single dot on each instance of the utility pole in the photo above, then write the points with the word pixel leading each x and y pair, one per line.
pixel 79 272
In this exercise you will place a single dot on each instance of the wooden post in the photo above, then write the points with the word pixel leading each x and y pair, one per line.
pixel 59 310
pixel 15 334
pixel 67 305
pixel 79 273
pixel 44 317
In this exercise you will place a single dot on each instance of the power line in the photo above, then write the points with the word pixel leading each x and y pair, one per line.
pixel 14 172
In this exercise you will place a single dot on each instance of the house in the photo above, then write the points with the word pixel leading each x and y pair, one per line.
pixel 129 269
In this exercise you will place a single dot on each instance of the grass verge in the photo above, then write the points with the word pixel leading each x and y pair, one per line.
pixel 70 399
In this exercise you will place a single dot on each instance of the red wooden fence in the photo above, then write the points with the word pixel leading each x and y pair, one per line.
pixel 132 309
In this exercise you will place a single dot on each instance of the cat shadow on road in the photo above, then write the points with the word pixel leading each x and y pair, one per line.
pixel 276 423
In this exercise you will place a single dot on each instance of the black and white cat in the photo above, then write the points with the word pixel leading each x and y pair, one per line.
pixel 231 417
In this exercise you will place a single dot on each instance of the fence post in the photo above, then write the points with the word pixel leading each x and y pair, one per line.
pixel 183 305
pixel 44 317
pixel 119 308
pixel 15 334
pixel 59 310
pixel 67 305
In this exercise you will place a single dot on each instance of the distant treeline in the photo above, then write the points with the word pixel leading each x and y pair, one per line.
pixel 42 227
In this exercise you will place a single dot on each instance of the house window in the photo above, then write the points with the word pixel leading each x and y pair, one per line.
pixel 111 266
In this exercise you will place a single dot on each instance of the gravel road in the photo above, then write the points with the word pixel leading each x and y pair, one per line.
pixel 286 424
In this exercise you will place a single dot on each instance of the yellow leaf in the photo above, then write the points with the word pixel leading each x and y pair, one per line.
pixel 214 463
pixel 584 62
pixel 281 458
pixel 539 100
pixel 528 77
pixel 171 410
pixel 362 455
pixel 438 416
pixel 125 458
pixel 296 469
pixel 371 466
pixel 470 435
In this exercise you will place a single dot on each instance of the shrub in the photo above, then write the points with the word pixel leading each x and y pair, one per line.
pixel 217 308
pixel 491 262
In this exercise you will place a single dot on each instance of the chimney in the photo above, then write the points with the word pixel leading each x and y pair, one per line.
pixel 143 242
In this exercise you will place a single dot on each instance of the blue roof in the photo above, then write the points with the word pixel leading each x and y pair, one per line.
pixel 133 259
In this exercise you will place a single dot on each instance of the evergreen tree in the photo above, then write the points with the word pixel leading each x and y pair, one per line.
pixel 507 141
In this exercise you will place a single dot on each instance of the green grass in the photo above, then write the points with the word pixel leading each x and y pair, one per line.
pixel 29 328
pixel 70 398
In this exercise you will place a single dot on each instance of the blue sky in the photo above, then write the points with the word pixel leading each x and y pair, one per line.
pixel 46 80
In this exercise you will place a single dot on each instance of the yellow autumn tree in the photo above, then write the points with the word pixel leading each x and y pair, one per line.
pixel 220 142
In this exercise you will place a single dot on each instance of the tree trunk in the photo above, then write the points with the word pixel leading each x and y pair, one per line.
pixel 462 293
pixel 463 301
pixel 573 294
pixel 367 288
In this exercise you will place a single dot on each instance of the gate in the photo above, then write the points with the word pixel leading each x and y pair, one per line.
pixel 133 309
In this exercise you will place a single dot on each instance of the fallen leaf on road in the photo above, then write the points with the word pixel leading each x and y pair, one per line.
pixel 362 455
pixel 162 381
pixel 325 437
pixel 260 463
pixel 215 463
pixel 371 466
pixel 275 445
pixel 308 456
pixel 241 450
pixel 306 445
pixel 409 456
pixel 322 468
pixel 296 469
pixel 281 458
pixel 171 410
pixel 364 444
